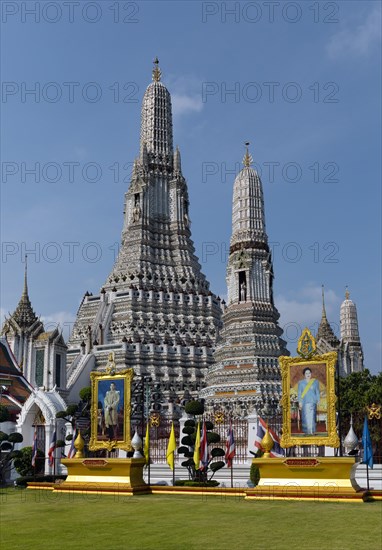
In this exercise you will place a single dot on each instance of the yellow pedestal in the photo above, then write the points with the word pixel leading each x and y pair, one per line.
pixel 305 478
pixel 104 475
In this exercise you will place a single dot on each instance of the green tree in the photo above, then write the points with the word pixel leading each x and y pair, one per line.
pixel 358 391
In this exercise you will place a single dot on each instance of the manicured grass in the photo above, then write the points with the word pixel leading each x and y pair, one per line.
pixel 41 519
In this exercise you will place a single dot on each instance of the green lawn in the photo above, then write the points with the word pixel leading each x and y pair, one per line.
pixel 41 519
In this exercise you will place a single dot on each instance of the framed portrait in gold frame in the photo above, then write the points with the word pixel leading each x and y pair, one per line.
pixel 111 409
pixel 309 400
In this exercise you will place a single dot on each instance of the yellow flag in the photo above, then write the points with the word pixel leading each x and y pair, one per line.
pixel 146 449
pixel 197 448
pixel 171 447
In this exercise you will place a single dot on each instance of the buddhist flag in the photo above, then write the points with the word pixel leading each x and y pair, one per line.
pixel 52 448
pixel 146 449
pixel 171 447
pixel 367 446
pixel 197 448
pixel 34 448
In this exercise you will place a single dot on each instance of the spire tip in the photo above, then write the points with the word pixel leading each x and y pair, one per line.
pixel 247 160
pixel 157 74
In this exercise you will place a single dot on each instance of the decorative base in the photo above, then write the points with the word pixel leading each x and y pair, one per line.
pixel 104 475
pixel 305 478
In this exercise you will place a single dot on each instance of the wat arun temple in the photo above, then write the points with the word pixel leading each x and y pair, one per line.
pixel 156 311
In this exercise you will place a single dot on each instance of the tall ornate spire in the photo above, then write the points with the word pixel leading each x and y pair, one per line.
pixel 156 306
pixel 25 291
pixel 323 302
pixel 349 320
pixel 246 374
pixel 248 230
pixel 325 331
pixel 351 348
pixel 156 120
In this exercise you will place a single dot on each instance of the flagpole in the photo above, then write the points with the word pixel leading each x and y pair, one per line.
pixel 173 472
pixel 232 474
pixel 367 476
pixel 148 468
pixel 55 447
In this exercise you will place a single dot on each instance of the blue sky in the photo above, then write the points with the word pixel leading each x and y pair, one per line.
pixel 305 92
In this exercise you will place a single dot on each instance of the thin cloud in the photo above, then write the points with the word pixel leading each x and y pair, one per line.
pixel 358 41
pixel 182 104
pixel 185 94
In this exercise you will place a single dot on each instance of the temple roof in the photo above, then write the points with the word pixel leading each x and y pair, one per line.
pixel 24 314
pixel 18 391
pixel 325 331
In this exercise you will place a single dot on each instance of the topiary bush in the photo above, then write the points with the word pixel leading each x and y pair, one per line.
pixel 190 483
pixel 254 474
pixel 23 463
pixel 7 444
pixel 15 438
pixel 4 413
pixel 188 446
pixel 86 394
pixel 24 480
pixel 194 407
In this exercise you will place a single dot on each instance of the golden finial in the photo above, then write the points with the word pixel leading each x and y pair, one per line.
pixel 347 293
pixel 79 445
pixel 247 160
pixel 156 71
pixel 267 443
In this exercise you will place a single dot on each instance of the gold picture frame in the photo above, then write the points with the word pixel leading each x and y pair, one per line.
pixel 111 410
pixel 314 422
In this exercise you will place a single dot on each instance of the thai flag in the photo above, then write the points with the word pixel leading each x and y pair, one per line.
pixel 204 449
pixel 34 449
pixel 277 451
pixel 52 448
pixel 229 447
pixel 72 450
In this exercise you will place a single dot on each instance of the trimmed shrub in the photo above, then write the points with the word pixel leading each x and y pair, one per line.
pixel 190 423
pixel 189 483
pixel 4 413
pixel 22 481
pixel 23 464
pixel 254 474
pixel 86 394
pixel 188 430
pixel 194 407
pixel 217 451
pixel 213 437
pixel 15 438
